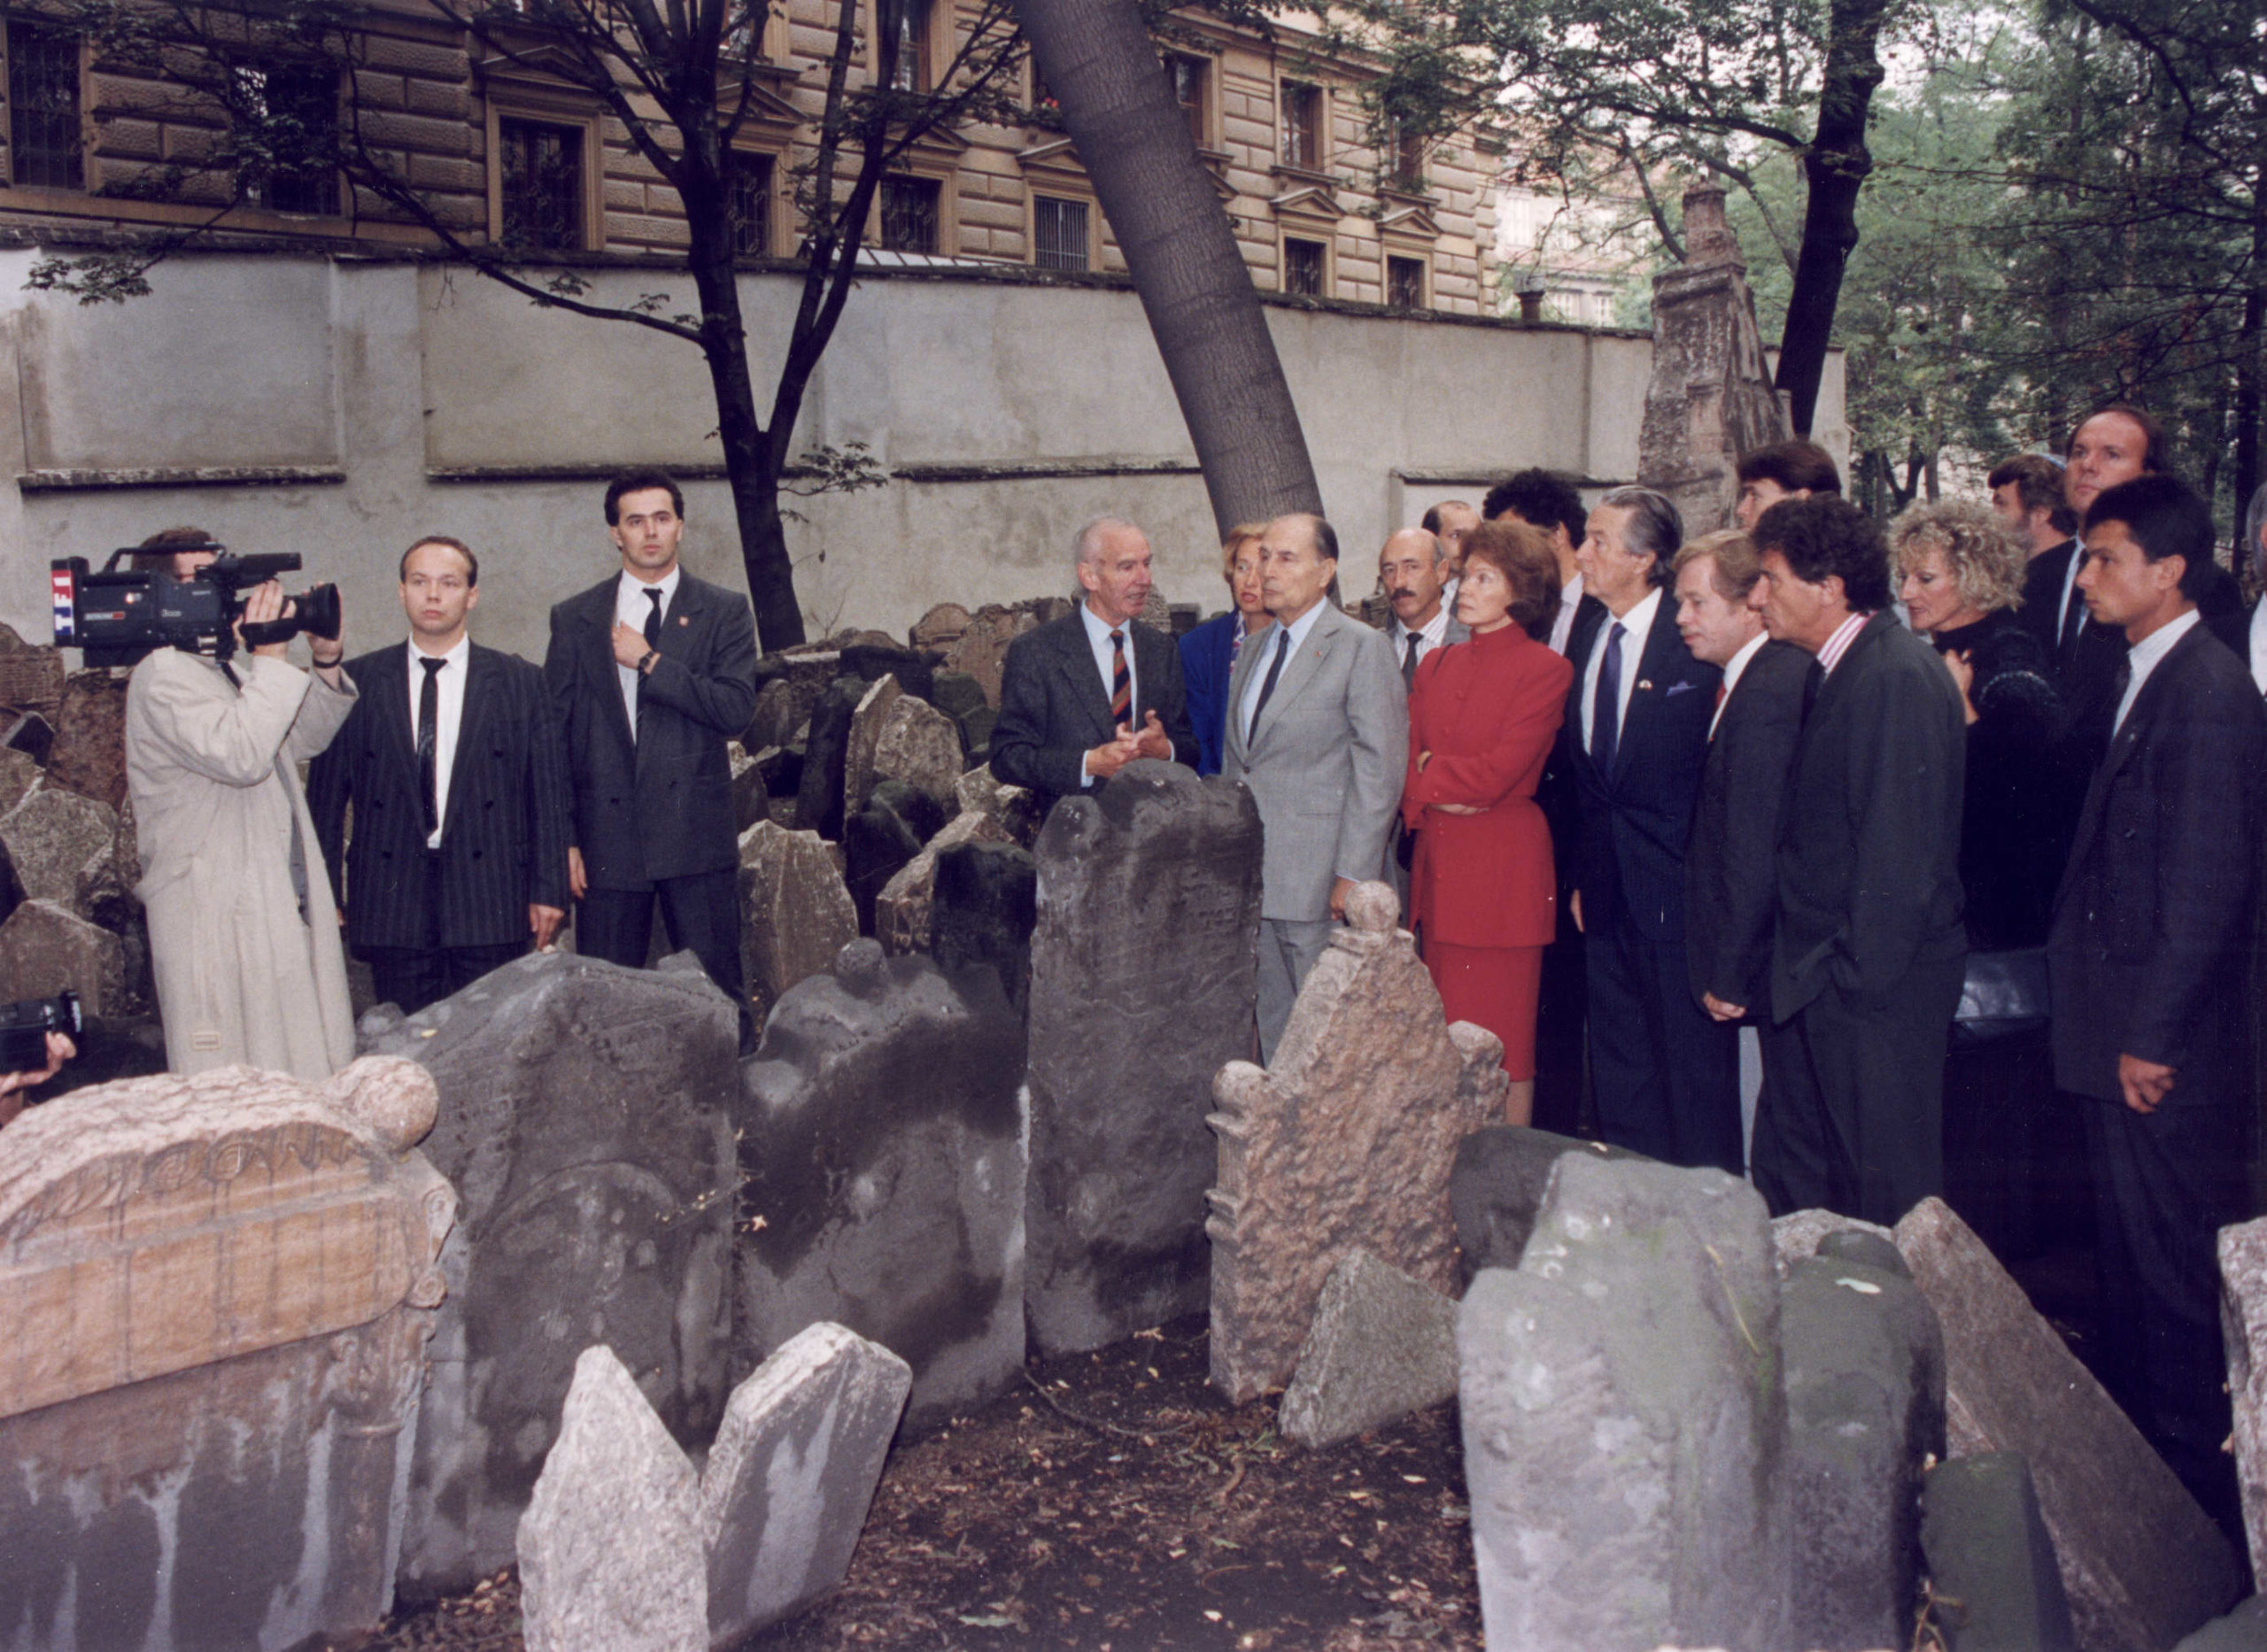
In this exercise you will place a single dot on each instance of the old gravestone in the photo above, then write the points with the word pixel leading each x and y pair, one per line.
pixel 1502 1172
pixel 89 756
pixel 52 835
pixel 1015 807
pixel 219 1290
pixel 880 837
pixel 1624 1427
pixel 795 912
pixel 2243 1327
pixel 1143 974
pixel 982 907
pixel 902 910
pixel 882 1129
pixel 826 750
pixel 920 746
pixel 1992 1566
pixel 1382 1344
pixel 2141 1562
pixel 45 949
pixel 866 719
pixel 1347 1141
pixel 587 1118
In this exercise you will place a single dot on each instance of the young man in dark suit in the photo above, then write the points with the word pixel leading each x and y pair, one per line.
pixel 2154 918
pixel 653 672
pixel 1867 949
pixel 452 762
pixel 1634 740
pixel 1083 696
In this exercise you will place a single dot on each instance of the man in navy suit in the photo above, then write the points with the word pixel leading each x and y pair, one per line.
pixel 2154 918
pixel 653 672
pixel 1634 742
pixel 452 762
pixel 1083 696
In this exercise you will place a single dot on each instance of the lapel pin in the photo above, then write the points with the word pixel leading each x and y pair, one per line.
pixel 1645 683
pixel 683 619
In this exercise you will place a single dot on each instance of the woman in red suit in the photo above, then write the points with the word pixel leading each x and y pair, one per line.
pixel 1481 719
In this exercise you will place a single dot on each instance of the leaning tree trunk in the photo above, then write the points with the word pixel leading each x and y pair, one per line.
pixel 1099 62
pixel 1835 169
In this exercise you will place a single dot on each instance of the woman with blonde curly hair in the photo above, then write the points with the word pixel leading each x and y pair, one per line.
pixel 1207 653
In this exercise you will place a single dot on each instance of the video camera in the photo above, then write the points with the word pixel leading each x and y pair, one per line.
pixel 119 617
pixel 24 1027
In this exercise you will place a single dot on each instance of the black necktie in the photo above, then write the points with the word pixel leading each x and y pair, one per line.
pixel 1267 687
pixel 428 740
pixel 1409 663
pixel 2073 622
pixel 1605 704
pixel 1812 680
pixel 654 617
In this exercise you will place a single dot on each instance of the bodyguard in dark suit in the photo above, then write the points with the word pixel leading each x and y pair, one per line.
pixel 1083 696
pixel 1868 950
pixel 1634 738
pixel 2154 918
pixel 457 785
pixel 653 672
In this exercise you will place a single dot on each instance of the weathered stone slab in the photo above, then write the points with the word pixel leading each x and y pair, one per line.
pixel 866 721
pixel 20 772
pixel 787 1485
pixel 1347 1141
pixel 876 655
pixel 1992 1564
pixel 983 911
pixel 901 911
pixel 981 649
pixel 1501 1174
pixel 940 628
pixel 826 750
pixel 2242 1630
pixel 783 706
pixel 881 838
pixel 919 745
pixel 1624 1427
pixel 2243 1328
pixel 218 1295
pixel 586 1115
pixel 1865 1384
pixel 795 912
pixel 609 1548
pixel 45 948
pixel 1142 974
pixel 89 756
pixel 30 734
pixel 956 694
pixel 1382 1344
pixel 1015 808
pixel 2141 1562
pixel 51 836
pixel 1800 1233
pixel 32 679
pixel 882 1132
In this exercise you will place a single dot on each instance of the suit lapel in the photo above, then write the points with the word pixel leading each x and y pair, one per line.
pixel 1246 662
pixel 597 658
pixel 472 717
pixel 1076 659
pixel 390 691
pixel 1655 661
pixel 1305 661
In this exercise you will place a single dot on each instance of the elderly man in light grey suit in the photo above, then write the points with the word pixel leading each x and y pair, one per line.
pixel 1319 729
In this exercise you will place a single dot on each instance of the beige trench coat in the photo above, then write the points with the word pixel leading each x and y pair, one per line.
pixel 240 977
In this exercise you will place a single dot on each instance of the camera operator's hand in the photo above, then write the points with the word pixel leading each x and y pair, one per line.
pixel 59 1050
pixel 264 604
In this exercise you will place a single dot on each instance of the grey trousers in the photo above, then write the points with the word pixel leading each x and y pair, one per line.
pixel 1288 949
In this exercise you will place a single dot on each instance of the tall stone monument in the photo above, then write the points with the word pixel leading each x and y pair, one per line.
pixel 1710 398
pixel 1143 968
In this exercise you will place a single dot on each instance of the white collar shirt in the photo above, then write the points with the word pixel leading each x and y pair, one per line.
pixel 448 717
pixel 2259 645
pixel 1733 669
pixel 2147 655
pixel 1838 645
pixel 1429 636
pixel 1562 623
pixel 630 607
pixel 1637 627
pixel 1278 636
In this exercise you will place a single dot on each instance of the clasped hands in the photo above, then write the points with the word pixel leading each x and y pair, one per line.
pixel 1424 758
pixel 1149 740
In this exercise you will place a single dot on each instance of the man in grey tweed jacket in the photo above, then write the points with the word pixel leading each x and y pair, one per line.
pixel 1319 729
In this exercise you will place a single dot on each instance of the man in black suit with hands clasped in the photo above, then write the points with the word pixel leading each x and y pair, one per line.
pixel 653 672
pixel 1083 696
pixel 452 762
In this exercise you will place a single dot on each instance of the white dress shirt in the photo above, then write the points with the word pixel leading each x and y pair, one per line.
pixel 631 609
pixel 1636 625
pixel 1268 643
pixel 1429 636
pixel 2259 647
pixel 1733 667
pixel 1562 623
pixel 2145 656
pixel 448 709
pixel 2070 596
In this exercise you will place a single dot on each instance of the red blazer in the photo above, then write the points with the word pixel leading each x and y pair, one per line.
pixel 1487 710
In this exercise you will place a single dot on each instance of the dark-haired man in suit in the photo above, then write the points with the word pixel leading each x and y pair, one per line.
pixel 2154 918
pixel 452 761
pixel 653 672
pixel 1085 695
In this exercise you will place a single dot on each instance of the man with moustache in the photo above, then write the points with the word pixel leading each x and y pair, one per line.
pixel 452 762
pixel 2027 495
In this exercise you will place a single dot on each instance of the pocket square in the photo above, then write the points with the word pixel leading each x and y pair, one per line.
pixel 1675 688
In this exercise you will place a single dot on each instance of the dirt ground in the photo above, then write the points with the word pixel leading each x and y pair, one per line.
pixel 1114 1502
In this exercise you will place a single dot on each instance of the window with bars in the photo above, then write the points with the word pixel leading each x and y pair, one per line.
pixel 909 214
pixel 45 147
pixel 1302 126
pixel 1188 91
pixel 293 132
pixel 1058 234
pixel 1404 283
pixel 1302 268
pixel 911 74
pixel 542 179
pixel 749 206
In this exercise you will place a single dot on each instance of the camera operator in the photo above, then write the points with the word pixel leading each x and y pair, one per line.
pixel 59 1050
pixel 243 937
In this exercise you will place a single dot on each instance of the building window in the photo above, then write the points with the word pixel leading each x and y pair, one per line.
pixel 543 185
pixel 1302 268
pixel 1404 283
pixel 1404 160
pixel 1188 91
pixel 1303 126
pixel 910 215
pixel 749 205
pixel 1058 234
pixel 911 72
pixel 295 115
pixel 44 145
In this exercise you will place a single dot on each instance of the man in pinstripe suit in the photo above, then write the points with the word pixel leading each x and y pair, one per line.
pixel 452 761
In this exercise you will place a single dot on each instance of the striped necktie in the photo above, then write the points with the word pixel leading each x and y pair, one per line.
pixel 1121 681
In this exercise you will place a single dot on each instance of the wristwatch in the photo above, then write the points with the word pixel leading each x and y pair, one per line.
pixel 645 665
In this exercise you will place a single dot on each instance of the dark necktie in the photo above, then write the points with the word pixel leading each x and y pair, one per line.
pixel 428 732
pixel 2120 681
pixel 1605 704
pixel 2073 622
pixel 654 617
pixel 1812 680
pixel 1121 682
pixel 1267 687
pixel 1409 662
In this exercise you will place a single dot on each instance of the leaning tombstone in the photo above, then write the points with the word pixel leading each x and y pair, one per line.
pixel 1624 1427
pixel 983 904
pixel 219 1293
pixel 1502 1172
pixel 1993 1576
pixel 46 949
pixel 1382 1345
pixel 1142 974
pixel 826 751
pixel 795 911
pixel 587 1113
pixel 1348 1140
pixel 51 836
pixel 865 732
pixel 2243 1328
pixel 903 908
pixel 881 1127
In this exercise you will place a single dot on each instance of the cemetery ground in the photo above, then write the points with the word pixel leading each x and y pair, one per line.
pixel 1116 1502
